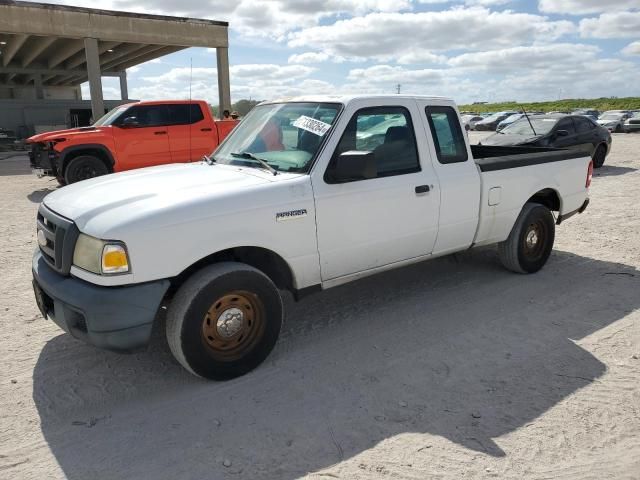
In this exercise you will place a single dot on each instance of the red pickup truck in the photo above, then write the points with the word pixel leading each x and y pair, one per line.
pixel 130 136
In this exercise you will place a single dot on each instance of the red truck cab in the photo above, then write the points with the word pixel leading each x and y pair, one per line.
pixel 134 135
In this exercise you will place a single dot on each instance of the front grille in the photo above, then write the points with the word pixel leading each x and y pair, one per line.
pixel 635 122
pixel 58 239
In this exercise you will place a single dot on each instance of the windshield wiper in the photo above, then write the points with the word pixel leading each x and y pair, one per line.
pixel 250 156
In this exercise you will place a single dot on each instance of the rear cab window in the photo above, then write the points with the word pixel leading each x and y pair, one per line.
pixel 448 139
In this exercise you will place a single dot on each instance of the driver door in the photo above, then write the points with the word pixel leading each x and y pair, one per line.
pixel 147 142
pixel 365 224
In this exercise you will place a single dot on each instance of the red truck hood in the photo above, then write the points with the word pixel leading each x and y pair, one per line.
pixel 48 136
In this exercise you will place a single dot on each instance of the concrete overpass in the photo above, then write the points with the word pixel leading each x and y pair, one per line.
pixel 46 46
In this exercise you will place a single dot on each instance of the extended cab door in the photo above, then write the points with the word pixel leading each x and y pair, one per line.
pixel 191 132
pixel 391 216
pixel 144 140
pixel 457 174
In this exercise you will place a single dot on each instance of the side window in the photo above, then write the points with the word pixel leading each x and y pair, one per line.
pixel 566 124
pixel 148 115
pixel 385 132
pixel 583 125
pixel 448 138
pixel 185 114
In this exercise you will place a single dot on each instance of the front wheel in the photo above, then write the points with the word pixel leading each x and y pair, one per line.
pixel 530 242
pixel 83 168
pixel 224 321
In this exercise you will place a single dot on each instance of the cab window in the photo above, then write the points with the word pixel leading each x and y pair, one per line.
pixel 448 138
pixel 147 115
pixel 385 132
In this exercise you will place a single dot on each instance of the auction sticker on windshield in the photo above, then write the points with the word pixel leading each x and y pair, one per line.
pixel 312 125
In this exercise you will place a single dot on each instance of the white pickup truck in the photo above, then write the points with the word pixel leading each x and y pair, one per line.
pixel 305 194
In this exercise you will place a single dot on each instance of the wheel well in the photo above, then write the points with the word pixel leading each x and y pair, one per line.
pixel 547 197
pixel 94 152
pixel 267 261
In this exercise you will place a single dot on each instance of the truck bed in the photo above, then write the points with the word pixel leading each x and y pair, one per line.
pixel 491 158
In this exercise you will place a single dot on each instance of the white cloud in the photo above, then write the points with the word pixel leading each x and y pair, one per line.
pixel 384 36
pixel 611 25
pixel 518 59
pixel 583 7
pixel 632 49
pixel 308 57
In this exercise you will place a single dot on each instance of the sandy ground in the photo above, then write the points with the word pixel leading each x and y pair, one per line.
pixel 453 368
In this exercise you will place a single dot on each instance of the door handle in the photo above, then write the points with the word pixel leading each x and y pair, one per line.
pixel 421 189
pixel 205 129
pixel 163 132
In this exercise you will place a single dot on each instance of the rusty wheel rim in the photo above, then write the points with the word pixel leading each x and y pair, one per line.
pixel 534 240
pixel 233 325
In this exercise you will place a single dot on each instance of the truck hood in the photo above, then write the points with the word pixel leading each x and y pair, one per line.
pixel 501 139
pixel 48 136
pixel 101 204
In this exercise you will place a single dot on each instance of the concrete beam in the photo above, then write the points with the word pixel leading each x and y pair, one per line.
pixel 68 50
pixel 79 58
pixel 12 47
pixel 95 77
pixel 118 56
pixel 39 46
pixel 130 62
pixel 124 89
pixel 36 70
pixel 140 53
pixel 74 22
pixel 224 86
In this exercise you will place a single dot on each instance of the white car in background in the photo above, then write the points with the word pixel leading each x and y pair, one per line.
pixel 469 121
pixel 613 121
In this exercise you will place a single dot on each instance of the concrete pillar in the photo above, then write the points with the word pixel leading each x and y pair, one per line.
pixel 224 86
pixel 124 90
pixel 37 81
pixel 95 77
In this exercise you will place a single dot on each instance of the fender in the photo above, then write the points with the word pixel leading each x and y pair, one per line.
pixel 85 146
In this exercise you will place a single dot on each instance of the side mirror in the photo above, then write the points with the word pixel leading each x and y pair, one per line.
pixel 562 133
pixel 354 165
pixel 130 122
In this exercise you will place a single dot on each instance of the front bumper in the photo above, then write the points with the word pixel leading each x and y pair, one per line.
pixel 43 161
pixel 114 318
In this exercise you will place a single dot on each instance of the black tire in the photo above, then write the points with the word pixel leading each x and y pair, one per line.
pixel 214 350
pixel 61 181
pixel 599 156
pixel 83 168
pixel 618 129
pixel 530 242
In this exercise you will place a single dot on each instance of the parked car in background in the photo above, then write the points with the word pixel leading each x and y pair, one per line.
pixel 589 112
pixel 632 124
pixel 614 120
pixel 130 136
pixel 516 116
pixel 491 122
pixel 574 132
pixel 469 121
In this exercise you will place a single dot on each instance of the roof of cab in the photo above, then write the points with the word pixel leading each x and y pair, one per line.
pixel 346 98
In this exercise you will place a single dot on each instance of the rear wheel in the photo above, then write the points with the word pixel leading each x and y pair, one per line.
pixel 224 321
pixel 599 156
pixel 530 242
pixel 83 168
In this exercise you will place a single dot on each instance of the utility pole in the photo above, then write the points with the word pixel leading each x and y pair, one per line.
pixel 398 87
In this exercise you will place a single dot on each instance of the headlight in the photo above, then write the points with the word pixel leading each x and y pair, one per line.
pixel 99 256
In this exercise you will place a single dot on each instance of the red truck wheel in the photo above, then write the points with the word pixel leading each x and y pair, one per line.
pixel 83 168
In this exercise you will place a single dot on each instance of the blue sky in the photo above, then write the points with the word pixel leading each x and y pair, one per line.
pixel 471 50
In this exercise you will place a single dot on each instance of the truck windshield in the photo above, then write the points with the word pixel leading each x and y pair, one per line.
pixel 286 136
pixel 110 117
